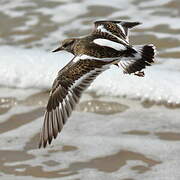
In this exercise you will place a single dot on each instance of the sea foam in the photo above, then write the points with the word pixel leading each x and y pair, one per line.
pixel 34 68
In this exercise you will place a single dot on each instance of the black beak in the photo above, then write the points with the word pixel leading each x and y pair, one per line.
pixel 58 49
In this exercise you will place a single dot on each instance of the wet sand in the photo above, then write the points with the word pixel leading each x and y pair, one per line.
pixel 24 162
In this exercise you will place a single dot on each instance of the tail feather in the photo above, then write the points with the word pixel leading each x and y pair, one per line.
pixel 147 52
pixel 141 57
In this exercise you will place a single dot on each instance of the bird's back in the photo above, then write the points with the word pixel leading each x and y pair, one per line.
pixel 87 46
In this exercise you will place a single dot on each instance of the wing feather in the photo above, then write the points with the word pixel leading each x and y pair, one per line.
pixel 67 89
pixel 114 29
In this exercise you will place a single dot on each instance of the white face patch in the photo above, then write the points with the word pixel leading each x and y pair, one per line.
pixel 109 43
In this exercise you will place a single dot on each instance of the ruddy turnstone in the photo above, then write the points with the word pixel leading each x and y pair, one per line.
pixel 108 44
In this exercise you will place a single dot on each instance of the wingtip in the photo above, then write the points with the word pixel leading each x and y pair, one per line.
pixel 129 24
pixel 40 142
pixel 57 49
pixel 39 145
pixel 49 141
pixel 138 23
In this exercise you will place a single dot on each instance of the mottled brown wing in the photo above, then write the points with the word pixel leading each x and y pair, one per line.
pixel 118 29
pixel 67 88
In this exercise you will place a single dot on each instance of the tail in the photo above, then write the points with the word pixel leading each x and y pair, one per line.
pixel 138 58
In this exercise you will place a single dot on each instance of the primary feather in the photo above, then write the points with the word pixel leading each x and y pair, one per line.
pixel 108 44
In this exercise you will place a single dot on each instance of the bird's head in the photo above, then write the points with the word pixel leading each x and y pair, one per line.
pixel 66 45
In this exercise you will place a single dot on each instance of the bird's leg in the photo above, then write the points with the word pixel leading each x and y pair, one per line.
pixel 139 73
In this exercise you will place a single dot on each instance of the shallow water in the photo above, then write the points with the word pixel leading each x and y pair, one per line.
pixel 126 128
pixel 125 141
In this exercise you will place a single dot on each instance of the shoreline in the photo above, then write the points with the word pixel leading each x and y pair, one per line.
pixel 135 122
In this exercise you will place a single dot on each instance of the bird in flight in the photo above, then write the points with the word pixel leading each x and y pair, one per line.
pixel 107 45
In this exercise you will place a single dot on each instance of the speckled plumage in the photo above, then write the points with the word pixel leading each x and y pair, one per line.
pixel 108 44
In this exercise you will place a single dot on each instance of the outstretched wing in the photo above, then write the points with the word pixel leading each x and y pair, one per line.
pixel 67 88
pixel 116 29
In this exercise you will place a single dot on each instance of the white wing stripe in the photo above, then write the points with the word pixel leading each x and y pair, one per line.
pixel 82 57
pixel 55 123
pixel 45 127
pixel 109 43
pixel 102 29
pixel 59 115
pixel 70 95
pixel 50 132
pixel 122 29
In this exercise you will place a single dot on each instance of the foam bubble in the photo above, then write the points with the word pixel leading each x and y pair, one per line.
pixel 37 69
pixel 30 68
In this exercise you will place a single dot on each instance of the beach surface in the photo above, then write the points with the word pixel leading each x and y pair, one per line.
pixel 124 128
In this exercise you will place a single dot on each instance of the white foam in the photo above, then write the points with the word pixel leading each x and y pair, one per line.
pixel 30 68
pixel 15 110
pixel 154 3
pixel 158 85
pixel 64 12
pixel 37 69
pixel 63 20
pixel 9 7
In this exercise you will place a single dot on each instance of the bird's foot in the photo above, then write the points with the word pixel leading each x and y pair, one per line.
pixel 139 73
